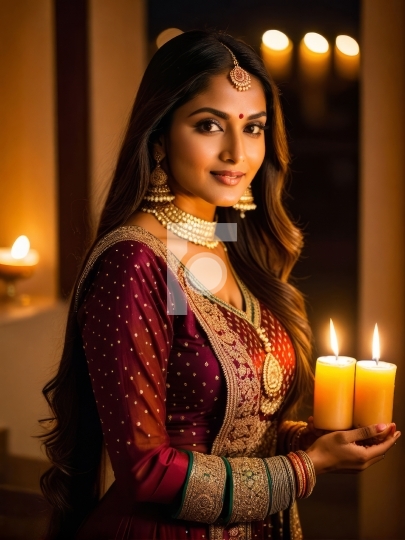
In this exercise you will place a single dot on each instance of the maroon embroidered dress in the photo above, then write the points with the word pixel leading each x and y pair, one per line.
pixel 176 374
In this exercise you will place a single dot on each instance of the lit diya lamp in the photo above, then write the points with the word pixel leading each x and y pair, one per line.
pixel 17 263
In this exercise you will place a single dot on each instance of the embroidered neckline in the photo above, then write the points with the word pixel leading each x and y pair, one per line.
pixel 252 308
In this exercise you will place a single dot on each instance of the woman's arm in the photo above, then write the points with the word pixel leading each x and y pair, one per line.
pixel 127 337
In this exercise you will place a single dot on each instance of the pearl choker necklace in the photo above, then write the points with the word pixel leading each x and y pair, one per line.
pixel 187 226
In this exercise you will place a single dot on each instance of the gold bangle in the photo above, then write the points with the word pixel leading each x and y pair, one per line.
pixel 282 483
pixel 311 475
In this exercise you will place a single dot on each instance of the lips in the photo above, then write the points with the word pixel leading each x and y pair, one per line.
pixel 230 178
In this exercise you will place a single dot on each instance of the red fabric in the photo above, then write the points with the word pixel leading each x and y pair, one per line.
pixel 158 388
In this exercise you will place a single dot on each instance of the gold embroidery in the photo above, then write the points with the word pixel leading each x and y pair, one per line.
pixel 295 525
pixel 205 489
pixel 251 496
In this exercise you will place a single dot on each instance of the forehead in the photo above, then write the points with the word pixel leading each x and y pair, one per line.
pixel 223 96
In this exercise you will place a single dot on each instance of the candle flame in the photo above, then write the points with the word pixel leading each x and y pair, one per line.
pixel 333 339
pixel 20 247
pixel 376 344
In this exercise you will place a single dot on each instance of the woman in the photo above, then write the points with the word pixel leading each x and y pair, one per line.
pixel 186 346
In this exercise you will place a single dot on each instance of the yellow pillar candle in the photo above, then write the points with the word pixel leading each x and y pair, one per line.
pixel 333 397
pixel 374 393
pixel 334 387
pixel 374 389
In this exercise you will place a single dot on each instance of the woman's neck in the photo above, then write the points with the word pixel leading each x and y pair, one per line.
pixel 195 206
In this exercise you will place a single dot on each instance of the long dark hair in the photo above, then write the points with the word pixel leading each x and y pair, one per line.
pixel 268 246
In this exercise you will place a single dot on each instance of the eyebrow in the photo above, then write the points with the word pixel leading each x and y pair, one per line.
pixel 225 115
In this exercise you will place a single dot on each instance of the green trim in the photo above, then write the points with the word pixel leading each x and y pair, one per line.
pixel 228 495
pixel 270 480
pixel 190 466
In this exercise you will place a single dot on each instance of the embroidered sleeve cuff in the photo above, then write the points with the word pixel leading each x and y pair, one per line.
pixel 203 494
pixel 250 489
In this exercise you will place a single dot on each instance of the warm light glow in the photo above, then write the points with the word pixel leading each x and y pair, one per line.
pixel 20 248
pixel 376 344
pixel 316 43
pixel 276 40
pixel 347 45
pixel 333 340
pixel 167 35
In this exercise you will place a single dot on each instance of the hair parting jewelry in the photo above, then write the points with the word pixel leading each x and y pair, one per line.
pixel 239 77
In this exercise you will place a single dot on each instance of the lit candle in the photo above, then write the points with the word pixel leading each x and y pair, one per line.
pixel 314 56
pixel 374 389
pixel 347 57
pixel 334 386
pixel 277 53
pixel 16 263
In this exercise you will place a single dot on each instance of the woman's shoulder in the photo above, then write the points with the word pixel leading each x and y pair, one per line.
pixel 128 254
pixel 130 243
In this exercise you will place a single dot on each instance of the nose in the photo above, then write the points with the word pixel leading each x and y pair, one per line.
pixel 233 150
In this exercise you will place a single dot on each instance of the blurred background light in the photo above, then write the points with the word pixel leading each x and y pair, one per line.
pixel 347 45
pixel 316 43
pixel 276 40
pixel 167 35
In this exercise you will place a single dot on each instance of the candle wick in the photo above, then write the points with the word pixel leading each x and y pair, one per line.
pixel 337 358
pixel 376 360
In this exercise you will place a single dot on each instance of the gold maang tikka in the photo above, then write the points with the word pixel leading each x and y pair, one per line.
pixel 239 77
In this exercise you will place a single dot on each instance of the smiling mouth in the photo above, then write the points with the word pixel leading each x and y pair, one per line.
pixel 230 178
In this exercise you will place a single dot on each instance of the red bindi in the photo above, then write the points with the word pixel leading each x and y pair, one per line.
pixel 241 116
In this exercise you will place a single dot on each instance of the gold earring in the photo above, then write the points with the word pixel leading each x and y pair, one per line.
pixel 246 202
pixel 158 190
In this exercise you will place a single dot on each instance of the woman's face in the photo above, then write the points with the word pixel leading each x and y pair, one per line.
pixel 215 144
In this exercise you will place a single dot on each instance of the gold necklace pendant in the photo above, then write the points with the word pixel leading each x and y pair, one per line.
pixel 272 378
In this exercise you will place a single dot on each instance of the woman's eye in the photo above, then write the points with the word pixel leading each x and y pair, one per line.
pixel 209 126
pixel 255 129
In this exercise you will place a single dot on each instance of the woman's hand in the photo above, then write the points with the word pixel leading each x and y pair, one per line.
pixel 354 450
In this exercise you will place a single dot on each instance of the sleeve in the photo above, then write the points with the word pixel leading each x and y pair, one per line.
pixel 127 336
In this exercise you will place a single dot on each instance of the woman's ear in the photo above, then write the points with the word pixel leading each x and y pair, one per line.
pixel 159 147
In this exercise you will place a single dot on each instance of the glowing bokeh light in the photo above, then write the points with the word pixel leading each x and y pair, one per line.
pixel 20 248
pixel 347 45
pixel 316 43
pixel 167 35
pixel 276 40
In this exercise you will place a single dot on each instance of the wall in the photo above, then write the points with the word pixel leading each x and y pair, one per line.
pixel 382 240
pixel 27 163
pixel 117 62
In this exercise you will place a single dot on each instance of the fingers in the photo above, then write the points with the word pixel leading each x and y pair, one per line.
pixel 377 451
pixel 369 432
